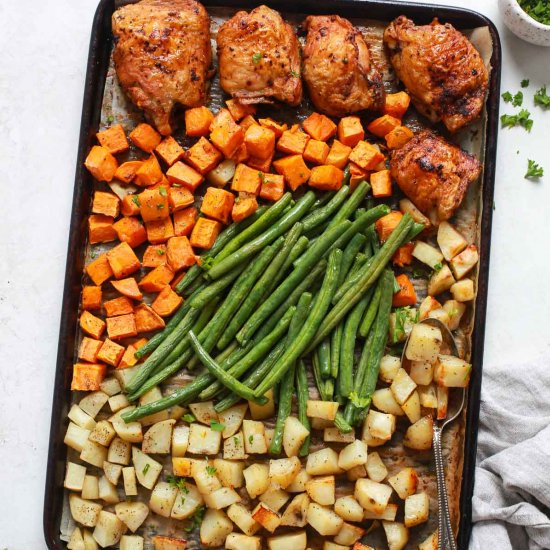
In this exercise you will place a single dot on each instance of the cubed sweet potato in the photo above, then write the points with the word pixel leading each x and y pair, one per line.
pixel 91 297
pixel 184 221
pixel 217 204
pixel 396 104
pixel 100 229
pixel 262 165
pixel 110 352
pixel 169 150
pixel 107 204
pixel 145 137
pixel 179 253
pixel 366 155
pixel 157 278
pixel 99 270
pixel 123 260
pixel 245 205
pixel 197 121
pixel 89 348
pixel 293 141
pixel 326 177
pixel 154 204
pixel 159 231
pixel 101 164
pixel 241 154
pixel 356 175
pixel 121 327
pixel 398 137
pixel 118 306
pixel 205 233
pixel 259 141
pixel 293 169
pixel 246 122
pixel 127 171
pixel 87 377
pixel 179 198
pixel 225 133
pixel 184 175
pixel 239 110
pixel 380 183
pixel 149 173
pixel 147 320
pixel 319 126
pixel 403 255
pixel 350 130
pixel 316 151
pixel 386 224
pixel 166 302
pixel 338 155
pixel 246 180
pixel 203 156
pixel 128 358
pixel 406 296
pixel 383 125
pixel 273 187
pixel 113 139
pixel 130 205
pixel 154 255
pixel 176 280
pixel 92 325
pixel 128 287
pixel 130 230
pixel 273 125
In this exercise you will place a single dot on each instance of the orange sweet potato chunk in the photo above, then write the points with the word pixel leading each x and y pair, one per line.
pixel 110 352
pixel 128 287
pixel 129 229
pixel 159 231
pixel 262 165
pixel 383 125
pixel 157 278
pixel 272 125
pixel 246 180
pixel 91 297
pixel 118 306
pixel 244 206
pixel 239 110
pixel 225 133
pixel 100 229
pixel 294 170
pixel 179 198
pixel 338 154
pixel 386 224
pixel 273 187
pixel 293 141
pixel 92 325
pixel 396 104
pixel 241 154
pixel 381 184
pixel 123 260
pixel 398 137
pixel 326 178
pixel 246 122
pixel 99 270
pixel 88 349
pixel 356 175
pixel 259 141
pixel 205 233
pixel 403 255
pixel 406 296
pixel 179 253
pixel 203 156
pixel 366 155
pixel 101 164
pixel 149 173
pixel 350 131
pixel 169 150
pixel 198 121
pixel 154 204
pixel 147 320
pixel 184 221
pixel 316 151
pixel 184 175
pixel 166 302
pixel 145 137
pixel 113 139
pixel 127 170
pixel 154 255
pixel 217 204
pixel 128 359
pixel 121 327
pixel 319 126
pixel 107 204
pixel 130 205
pixel 87 377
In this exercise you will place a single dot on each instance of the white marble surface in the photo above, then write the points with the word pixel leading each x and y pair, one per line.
pixel 44 49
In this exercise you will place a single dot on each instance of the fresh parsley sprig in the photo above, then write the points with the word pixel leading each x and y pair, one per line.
pixel 533 170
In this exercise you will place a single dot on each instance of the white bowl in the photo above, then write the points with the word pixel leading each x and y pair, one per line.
pixel 523 25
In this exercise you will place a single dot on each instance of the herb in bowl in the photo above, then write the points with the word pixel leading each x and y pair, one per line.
pixel 539 10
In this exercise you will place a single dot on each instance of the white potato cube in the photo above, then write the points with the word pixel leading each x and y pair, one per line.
pixel 412 408
pixel 84 511
pixel 381 425
pixel 158 438
pixel 452 372
pixel 222 174
pixel 163 542
pixel 147 469
pixel 268 436
pixel 298 484
pixel 455 310
pixel 407 206
pixel 323 519
pixel 417 509
pixel 290 541
pixel 428 396
pixel 204 412
pixel 353 474
pixel 349 534
pixel 368 438
pixel 94 454
pixel 130 481
pixel 384 401
pixel 103 433
pixel 232 419
pixel 389 513
pixel 322 490
pixel 440 281
pixel 441 315
pixel 132 514
pixel 233 447
pixel 397 535
pixel 442 402
pixel 266 517
pixel 74 476
pixel 76 437
pixel 323 462
pixel 261 412
pixel 282 471
pixel 183 466
pixel 348 509
pixel 187 502
pixel 295 514
pixel 402 386
pixel 131 542
pixel 92 403
pixel 118 402
pixel 404 482
pixel 334 435
pixel 463 290
pixel 131 431
pixel 112 472
pixel 371 495
pixel 204 440
pixel 275 498
pixel 294 435
pixel 321 424
pixel 428 304
pixel 419 435
pixel 214 528
pixel 108 529
pixel 256 478
pixel 152 395
pixel 254 439
pixel 107 491
pixel 427 254
pixel 450 241
pixel 81 418
pixel 76 542
pixel 422 372
pixel 235 541
pixel 163 498
pixel 429 543
pixel 325 410
pixel 204 474
pixel 90 488
pixel 376 469
pixel 462 264
pixel 389 365
pixel 120 451
pixel 401 324
pixel 354 454
pixel 242 518
pixel 424 343
pixel 180 440
pixel 221 498
pixel 229 472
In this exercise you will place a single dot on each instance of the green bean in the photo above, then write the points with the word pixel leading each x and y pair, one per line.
pixel 302 394
pixel 285 407
pixel 350 252
pixel 323 354
pixel 415 230
pixel 313 321
pixel 222 266
pixel 335 346
pixel 347 175
pixel 351 204
pixel 372 310
pixel 216 288
pixel 323 199
pixel 373 239
pixel 320 215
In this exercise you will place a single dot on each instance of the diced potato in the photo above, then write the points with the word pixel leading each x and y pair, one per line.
pixel 428 304
pixel 463 290
pixel 376 469
pixel 419 435
pixel 322 409
pixel 118 402
pixel 275 498
pixel 90 488
pixel 404 482
pixel 321 424
pixel 298 484
pixel 112 471
pixel 368 438
pixel 407 206
pixel 323 519
pixel 261 412
pixel 187 502
pixel 424 343
pixel 76 437
pixel 389 513
pixel 203 440
pixel 282 471
pixel 348 509
pixel 130 481
pixel 81 418
pixel 397 535
pixel 120 451
pixel 162 542
pixel 452 372
pixel 93 402
pixel 441 315
pixel 422 372
pixel 268 436
pixel 93 454
pixel 204 412
pixel 157 439
pixel 243 519
pixel 440 281
pixel 322 490
pixel 427 254
pixel 411 407
pixel 442 402
pixel 429 543
pixel 295 514
pixel 294 435
pixel 132 514
pixel 103 433
pixel 357 472
pixel 221 498
pixel 74 477
pixel 349 534
pixel 327 545
pixel 147 469
pixel 107 491
pixel 162 498
pixel 108 529
pixel 428 396
pixel 204 474
pixel 384 400
pixel 230 473
pixel 110 386
pixel 131 431
pixel 180 440
pixel 222 174
pixel 450 241
pixel 267 518
pixel 371 495
pixel 290 541
pixel 214 528
pixel 256 478
pixel 235 541
pixel 354 454
pixel 152 395
pixel 76 542
pixel 254 440
pixel 124 376
pixel 417 509
pixel 389 366
pixel 131 542
pixel 84 511
pixel 381 425
pixel 233 447
pixel 323 462
pixel 455 310
pixel 232 419
pixel 334 435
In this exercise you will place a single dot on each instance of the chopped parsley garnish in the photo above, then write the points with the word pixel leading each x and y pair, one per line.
pixel 135 200
pixel 178 482
pixel 210 470
pixel 256 58
pixel 541 98
pixel 523 119
pixel 251 439
pixel 188 418
pixel 516 100
pixel 110 119
pixel 438 267
pixel 524 83
pixel 403 316
pixel 162 192
pixel 539 10
pixel 217 426
pixel 160 252
pixel 196 519
pixel 146 468
pixel 160 206
pixel 507 96
pixel 261 175
pixel 93 253
pixel 533 170
pixel 176 185
pixel 236 440
pixel 294 74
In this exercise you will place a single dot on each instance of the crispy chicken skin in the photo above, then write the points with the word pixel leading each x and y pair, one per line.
pixel 338 69
pixel 259 58
pixel 441 69
pixel 162 55
pixel 434 173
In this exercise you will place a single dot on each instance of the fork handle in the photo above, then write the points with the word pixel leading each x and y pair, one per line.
pixel 445 539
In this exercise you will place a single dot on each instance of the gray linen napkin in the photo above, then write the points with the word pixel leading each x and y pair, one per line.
pixel 512 489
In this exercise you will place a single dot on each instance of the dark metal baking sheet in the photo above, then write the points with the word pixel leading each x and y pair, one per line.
pixel 98 63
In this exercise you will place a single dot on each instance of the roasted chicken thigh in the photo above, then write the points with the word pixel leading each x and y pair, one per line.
pixel 338 70
pixel 259 58
pixel 434 174
pixel 441 69
pixel 162 55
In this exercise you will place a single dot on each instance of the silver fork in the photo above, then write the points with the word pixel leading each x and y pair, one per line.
pixel 445 539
